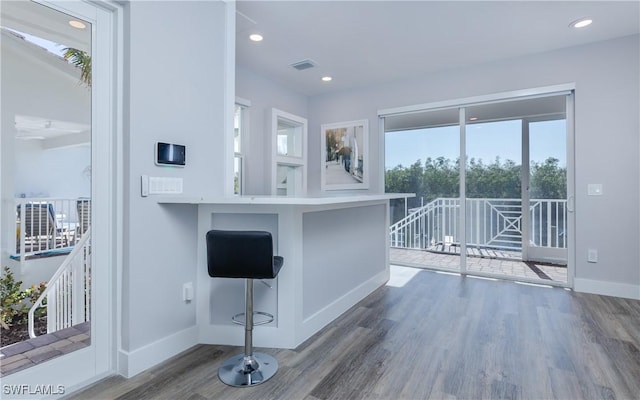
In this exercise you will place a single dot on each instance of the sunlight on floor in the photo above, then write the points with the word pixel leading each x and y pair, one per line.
pixel 400 276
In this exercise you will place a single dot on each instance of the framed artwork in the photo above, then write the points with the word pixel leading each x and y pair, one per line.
pixel 345 158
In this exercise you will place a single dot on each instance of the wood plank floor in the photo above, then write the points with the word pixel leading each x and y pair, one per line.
pixel 439 336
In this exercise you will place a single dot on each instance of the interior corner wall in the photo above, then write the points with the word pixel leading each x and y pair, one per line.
pixel 607 147
pixel 264 94
pixel 174 91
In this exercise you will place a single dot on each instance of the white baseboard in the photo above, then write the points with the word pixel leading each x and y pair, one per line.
pixel 133 362
pixel 615 289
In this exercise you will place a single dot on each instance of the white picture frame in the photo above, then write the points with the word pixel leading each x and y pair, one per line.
pixel 345 155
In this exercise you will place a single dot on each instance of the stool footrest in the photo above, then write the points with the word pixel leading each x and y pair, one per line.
pixel 240 318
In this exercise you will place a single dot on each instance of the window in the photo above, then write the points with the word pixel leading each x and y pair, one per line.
pixel 288 167
pixel 240 126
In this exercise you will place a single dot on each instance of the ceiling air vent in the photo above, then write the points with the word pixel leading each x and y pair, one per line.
pixel 304 64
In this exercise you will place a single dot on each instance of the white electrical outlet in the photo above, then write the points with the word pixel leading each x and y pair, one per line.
pixel 592 255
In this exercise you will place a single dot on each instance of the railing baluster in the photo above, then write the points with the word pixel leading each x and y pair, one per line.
pixel 564 224
pixel 46 224
pixel 498 224
pixel 540 243
pixel 491 223
pixel 68 291
pixel 548 223
pixel 65 299
pixel 484 230
pixel 476 239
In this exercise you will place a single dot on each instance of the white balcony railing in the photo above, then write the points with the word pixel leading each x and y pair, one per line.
pixel 49 224
pixel 68 292
pixel 491 223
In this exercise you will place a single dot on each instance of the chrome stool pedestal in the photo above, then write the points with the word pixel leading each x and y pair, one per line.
pixel 248 368
pixel 242 371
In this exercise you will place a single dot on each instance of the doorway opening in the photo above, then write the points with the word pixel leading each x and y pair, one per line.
pixel 46 60
pixel 86 223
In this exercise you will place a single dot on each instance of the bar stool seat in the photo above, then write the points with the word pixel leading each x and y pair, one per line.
pixel 246 255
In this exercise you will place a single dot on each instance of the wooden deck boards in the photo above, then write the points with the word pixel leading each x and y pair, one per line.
pixel 476 252
pixel 494 262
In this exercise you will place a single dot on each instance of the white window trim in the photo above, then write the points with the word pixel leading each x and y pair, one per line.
pixel 244 131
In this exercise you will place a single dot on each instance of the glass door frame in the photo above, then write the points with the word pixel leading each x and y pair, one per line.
pixel 529 252
pixel 462 104
pixel 69 372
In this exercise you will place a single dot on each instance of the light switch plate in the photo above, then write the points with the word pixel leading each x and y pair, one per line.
pixel 164 185
pixel 594 189
pixel 187 291
pixel 592 255
pixel 144 186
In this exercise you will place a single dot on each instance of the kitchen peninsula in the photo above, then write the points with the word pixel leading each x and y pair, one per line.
pixel 335 249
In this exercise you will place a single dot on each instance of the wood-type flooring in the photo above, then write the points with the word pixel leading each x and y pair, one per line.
pixel 439 336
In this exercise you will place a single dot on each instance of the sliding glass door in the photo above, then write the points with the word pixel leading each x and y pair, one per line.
pixel 422 156
pixel 516 189
pixel 547 181
pixel 509 216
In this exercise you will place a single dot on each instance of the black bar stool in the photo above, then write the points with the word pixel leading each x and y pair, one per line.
pixel 248 255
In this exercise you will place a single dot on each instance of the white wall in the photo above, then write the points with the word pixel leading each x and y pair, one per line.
pixel 606 76
pixel 58 172
pixel 264 95
pixel 175 91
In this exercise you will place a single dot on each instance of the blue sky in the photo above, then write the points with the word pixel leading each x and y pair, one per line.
pixel 52 47
pixel 484 141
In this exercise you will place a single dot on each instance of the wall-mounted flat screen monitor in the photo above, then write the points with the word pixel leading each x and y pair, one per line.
pixel 171 154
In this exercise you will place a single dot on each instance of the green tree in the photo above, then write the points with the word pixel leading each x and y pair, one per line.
pixel 499 180
pixel 548 180
pixel 15 301
pixel 82 60
pixel 440 177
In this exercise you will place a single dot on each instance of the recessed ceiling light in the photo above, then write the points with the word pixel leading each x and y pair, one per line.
pixel 581 23
pixel 473 118
pixel 326 79
pixel 256 37
pixel 77 24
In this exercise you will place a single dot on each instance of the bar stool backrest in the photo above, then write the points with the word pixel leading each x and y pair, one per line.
pixel 241 254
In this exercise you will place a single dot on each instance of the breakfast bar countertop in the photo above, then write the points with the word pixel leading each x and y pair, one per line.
pixel 284 200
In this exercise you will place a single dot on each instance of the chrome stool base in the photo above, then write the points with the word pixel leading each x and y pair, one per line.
pixel 243 371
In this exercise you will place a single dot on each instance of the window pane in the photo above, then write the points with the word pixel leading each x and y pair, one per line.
pixel 237 175
pixel 237 129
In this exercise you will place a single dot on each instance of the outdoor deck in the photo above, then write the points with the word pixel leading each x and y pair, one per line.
pixel 25 354
pixel 486 261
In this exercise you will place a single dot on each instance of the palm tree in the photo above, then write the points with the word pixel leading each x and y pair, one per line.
pixel 81 60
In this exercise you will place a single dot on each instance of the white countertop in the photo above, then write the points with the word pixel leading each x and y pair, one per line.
pixel 284 200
